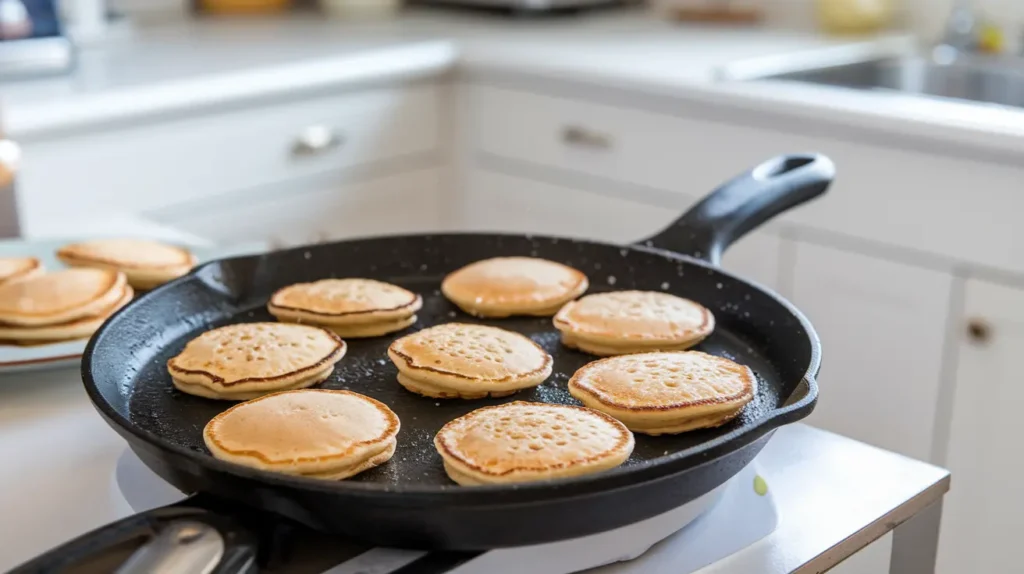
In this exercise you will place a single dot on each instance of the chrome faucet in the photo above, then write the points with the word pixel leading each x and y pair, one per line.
pixel 961 35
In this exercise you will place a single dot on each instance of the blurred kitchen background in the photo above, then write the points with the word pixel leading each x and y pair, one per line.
pixel 286 123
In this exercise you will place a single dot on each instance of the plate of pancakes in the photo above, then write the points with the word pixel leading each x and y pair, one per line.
pixel 54 294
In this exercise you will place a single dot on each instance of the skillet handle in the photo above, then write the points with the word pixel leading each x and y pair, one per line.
pixel 799 405
pixel 189 536
pixel 749 200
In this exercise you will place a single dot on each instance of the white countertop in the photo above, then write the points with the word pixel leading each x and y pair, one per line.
pixel 189 65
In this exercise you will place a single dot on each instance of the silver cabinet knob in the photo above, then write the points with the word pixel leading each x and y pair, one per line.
pixel 583 137
pixel 314 140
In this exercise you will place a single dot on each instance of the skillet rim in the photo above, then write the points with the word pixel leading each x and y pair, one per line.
pixel 616 478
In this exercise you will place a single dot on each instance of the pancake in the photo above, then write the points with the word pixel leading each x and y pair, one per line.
pixel 77 329
pixel 371 329
pixel 507 286
pixel 317 433
pixel 146 264
pixel 459 360
pixel 19 267
pixel 524 442
pixel 623 322
pixel 59 297
pixel 665 393
pixel 245 395
pixel 349 307
pixel 250 359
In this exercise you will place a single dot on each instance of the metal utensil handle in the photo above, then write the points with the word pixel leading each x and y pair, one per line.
pixel 744 203
pixel 182 546
pixel 194 535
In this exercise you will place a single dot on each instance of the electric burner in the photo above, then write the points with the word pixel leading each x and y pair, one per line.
pixel 682 540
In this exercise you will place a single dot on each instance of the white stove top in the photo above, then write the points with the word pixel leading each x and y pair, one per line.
pixel 679 541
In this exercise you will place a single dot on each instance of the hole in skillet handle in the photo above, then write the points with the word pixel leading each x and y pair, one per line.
pixel 744 203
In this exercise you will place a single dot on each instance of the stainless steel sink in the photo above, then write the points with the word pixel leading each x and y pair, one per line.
pixel 987 80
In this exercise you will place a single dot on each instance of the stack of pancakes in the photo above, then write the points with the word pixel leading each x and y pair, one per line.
pixel 524 442
pixel 458 360
pixel 665 393
pixel 248 360
pixel 69 304
pixel 147 264
pixel 316 433
pixel 507 286
pixel 12 268
pixel 623 322
pixel 351 308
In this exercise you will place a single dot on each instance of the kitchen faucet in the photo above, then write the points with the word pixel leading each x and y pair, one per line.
pixel 961 34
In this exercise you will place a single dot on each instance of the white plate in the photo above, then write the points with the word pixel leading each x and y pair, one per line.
pixel 14 358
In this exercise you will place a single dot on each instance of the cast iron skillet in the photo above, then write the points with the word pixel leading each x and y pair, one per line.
pixel 409 502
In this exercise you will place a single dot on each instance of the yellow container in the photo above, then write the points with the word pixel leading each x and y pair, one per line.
pixel 855 17
pixel 244 6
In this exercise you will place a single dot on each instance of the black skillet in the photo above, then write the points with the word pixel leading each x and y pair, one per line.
pixel 409 502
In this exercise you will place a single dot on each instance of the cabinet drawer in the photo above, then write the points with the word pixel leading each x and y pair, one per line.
pixel 615 143
pixel 146 167
pixel 319 210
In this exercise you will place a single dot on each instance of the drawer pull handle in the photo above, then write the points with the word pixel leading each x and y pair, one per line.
pixel 582 137
pixel 315 140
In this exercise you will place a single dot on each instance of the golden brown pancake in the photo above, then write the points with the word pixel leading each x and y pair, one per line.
pixel 524 442
pixel 318 433
pixel 506 286
pixel 59 297
pixel 77 329
pixel 19 267
pixel 665 393
pixel 459 360
pixel 349 307
pixel 248 359
pixel 147 264
pixel 623 322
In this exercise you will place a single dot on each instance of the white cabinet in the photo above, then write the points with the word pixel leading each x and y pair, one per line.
pixel 756 257
pixel 945 205
pixel 142 167
pixel 496 202
pixel 882 326
pixel 318 209
pixel 983 516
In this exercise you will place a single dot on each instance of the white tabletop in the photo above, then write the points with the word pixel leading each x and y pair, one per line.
pixel 835 495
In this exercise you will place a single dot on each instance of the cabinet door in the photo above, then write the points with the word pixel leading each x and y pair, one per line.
pixel 496 202
pixel 882 326
pixel 317 210
pixel 983 516
pixel 756 257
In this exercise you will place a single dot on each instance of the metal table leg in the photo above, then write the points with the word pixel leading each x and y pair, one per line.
pixel 915 542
